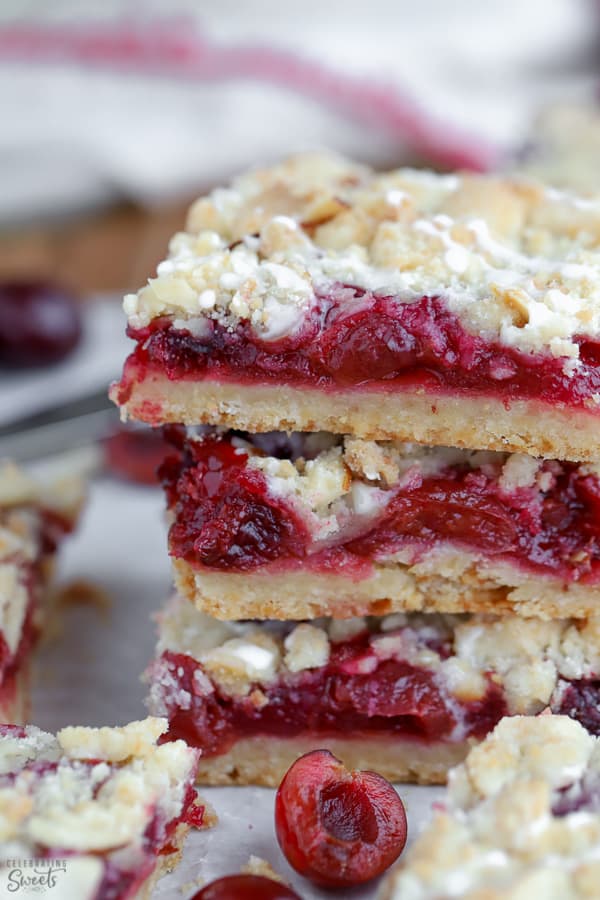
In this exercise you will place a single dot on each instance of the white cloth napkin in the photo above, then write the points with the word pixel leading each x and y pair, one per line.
pixel 147 100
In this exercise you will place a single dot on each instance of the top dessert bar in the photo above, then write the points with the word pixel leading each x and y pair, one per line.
pixel 521 820
pixel 461 310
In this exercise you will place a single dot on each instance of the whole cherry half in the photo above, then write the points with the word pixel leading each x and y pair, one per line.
pixel 245 887
pixel 338 828
pixel 40 324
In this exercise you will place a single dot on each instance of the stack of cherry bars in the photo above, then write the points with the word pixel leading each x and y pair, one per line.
pixel 383 396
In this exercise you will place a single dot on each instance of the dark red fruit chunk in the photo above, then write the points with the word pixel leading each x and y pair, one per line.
pixel 355 337
pixel 336 827
pixel 135 455
pixel 39 324
pixel 224 517
pixel 245 887
pixel 362 347
pixel 581 701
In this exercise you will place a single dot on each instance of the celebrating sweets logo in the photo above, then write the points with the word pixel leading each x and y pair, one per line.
pixel 31 876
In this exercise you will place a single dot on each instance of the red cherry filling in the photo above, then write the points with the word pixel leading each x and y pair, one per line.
pixel 224 518
pixel 362 347
pixel 39 324
pixel 357 338
pixel 336 827
pixel 245 887
pixel 385 698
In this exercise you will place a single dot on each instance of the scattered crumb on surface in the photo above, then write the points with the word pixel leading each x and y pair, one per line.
pixel 190 887
pixel 258 866
pixel 210 818
pixel 81 592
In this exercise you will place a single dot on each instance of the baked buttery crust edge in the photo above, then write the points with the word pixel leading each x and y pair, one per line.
pixel 393 587
pixel 485 423
pixel 264 760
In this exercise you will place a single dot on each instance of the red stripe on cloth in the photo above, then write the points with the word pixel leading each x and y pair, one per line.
pixel 177 50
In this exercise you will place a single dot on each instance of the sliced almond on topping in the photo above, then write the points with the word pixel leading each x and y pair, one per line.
pixel 322 209
pixel 516 302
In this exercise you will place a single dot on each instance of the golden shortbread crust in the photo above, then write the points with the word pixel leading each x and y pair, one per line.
pixel 265 760
pixel 391 588
pixel 485 423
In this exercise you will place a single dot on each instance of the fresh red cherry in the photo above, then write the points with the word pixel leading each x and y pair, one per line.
pixel 39 324
pixel 336 827
pixel 246 887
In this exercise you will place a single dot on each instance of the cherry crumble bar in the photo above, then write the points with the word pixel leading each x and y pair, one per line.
pixel 521 821
pixel 33 520
pixel 405 694
pixel 109 803
pixel 275 527
pixel 317 295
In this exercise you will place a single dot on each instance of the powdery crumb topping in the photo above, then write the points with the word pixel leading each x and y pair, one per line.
pixel 515 261
pixel 500 836
pixel 306 647
pixel 356 478
pixel 556 749
pixel 242 661
pixel 63 494
pixel 519 471
pixel 531 659
pixel 111 744
pixel 258 866
pixel 16 752
pixel 49 797
pixel 530 656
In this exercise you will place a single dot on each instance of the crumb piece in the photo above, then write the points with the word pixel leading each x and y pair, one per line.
pixel 112 744
pixel 210 817
pixel 306 647
pixel 519 471
pixel 258 866
pixel 371 460
pixel 81 592
pixel 240 662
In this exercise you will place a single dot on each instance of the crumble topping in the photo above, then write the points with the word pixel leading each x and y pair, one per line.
pixel 63 494
pixel 239 662
pixel 306 647
pixel 519 471
pixel 51 797
pixel 111 744
pixel 503 833
pixel 354 478
pixel 531 659
pixel 517 262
